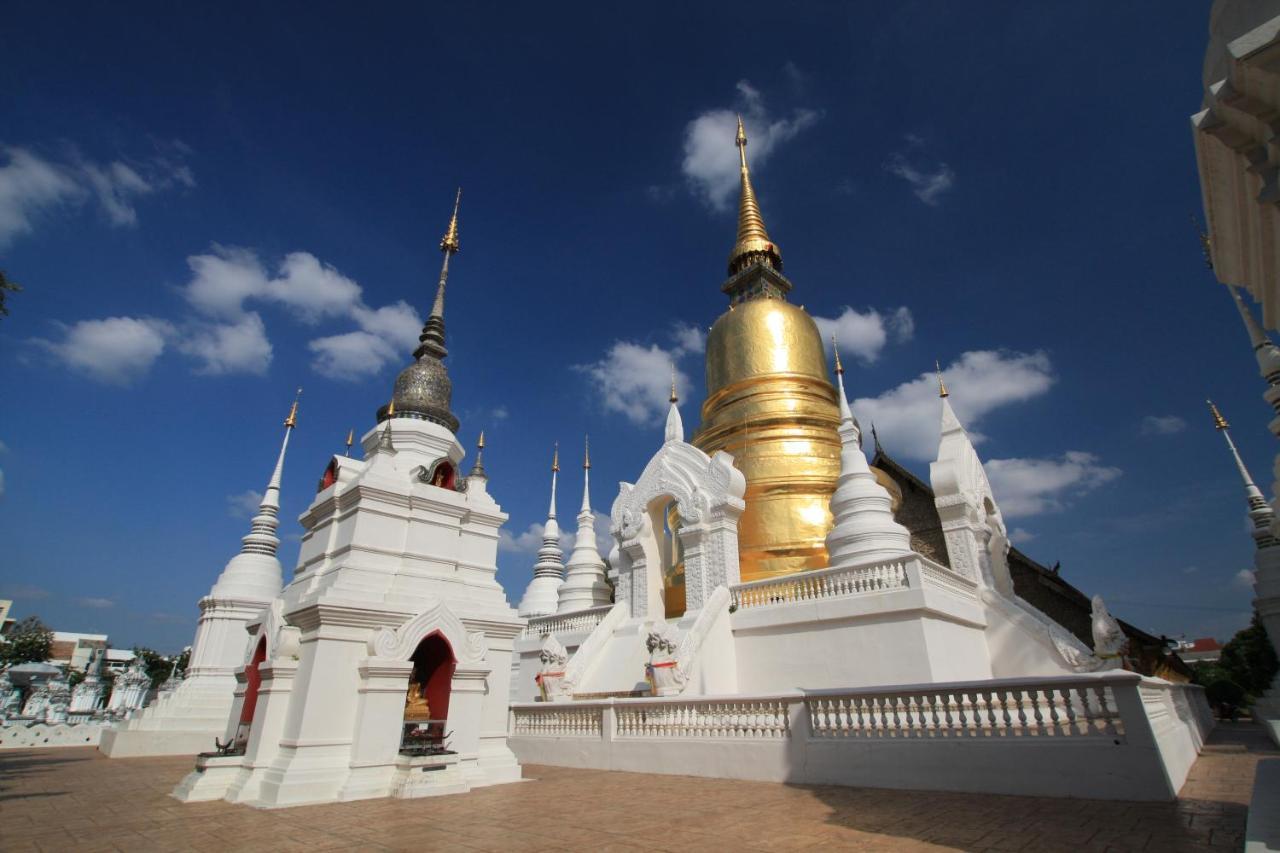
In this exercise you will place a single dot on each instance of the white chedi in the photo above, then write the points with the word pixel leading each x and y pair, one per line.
pixel 542 596
pixel 585 585
pixel 864 529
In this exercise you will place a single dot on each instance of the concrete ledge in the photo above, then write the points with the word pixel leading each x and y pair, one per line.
pixel 123 743
pixel 1262 833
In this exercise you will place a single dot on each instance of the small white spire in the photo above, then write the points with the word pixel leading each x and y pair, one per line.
pixel 849 426
pixel 584 584
pixel 675 426
pixel 1264 349
pixel 1260 512
pixel 541 597
pixel 864 529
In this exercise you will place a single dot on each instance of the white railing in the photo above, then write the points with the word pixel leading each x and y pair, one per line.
pixel 558 721
pixel 1083 708
pixel 579 620
pixel 752 718
pixel 824 583
pixel 940 576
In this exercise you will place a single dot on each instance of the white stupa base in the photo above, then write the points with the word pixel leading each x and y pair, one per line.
pixel 1266 712
pixel 542 596
pixel 184 722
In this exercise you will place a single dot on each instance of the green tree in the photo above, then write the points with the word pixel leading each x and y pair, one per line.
pixel 1249 659
pixel 158 666
pixel 29 640
pixel 7 286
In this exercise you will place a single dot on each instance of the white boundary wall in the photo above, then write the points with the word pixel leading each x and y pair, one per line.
pixel 1113 735
pixel 39 735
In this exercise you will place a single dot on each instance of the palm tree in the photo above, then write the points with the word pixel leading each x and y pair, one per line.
pixel 7 285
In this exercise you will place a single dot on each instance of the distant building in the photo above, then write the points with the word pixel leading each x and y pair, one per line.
pixel 6 621
pixel 74 650
pixel 1205 649
pixel 118 660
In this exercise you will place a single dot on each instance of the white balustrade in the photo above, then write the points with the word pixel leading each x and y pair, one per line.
pixel 1086 708
pixel 754 719
pixel 558 721
pixel 824 583
pixel 568 623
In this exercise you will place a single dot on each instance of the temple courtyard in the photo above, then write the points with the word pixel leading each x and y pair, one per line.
pixel 75 799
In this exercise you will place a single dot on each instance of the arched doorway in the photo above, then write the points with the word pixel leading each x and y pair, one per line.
pixel 673 587
pixel 426 703
pixel 252 680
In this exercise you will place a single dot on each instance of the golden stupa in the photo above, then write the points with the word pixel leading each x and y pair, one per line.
pixel 771 405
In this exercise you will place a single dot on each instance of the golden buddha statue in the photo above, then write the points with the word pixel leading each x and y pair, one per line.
pixel 772 406
pixel 416 707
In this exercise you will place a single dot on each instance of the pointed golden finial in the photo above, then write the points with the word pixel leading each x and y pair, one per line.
pixel 555 459
pixel 480 443
pixel 449 242
pixel 753 241
pixel 292 421
pixel 836 350
pixel 351 439
pixel 675 398
pixel 942 386
pixel 1219 422
pixel 586 452
pixel 391 408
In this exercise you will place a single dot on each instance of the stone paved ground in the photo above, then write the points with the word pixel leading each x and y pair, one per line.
pixel 74 799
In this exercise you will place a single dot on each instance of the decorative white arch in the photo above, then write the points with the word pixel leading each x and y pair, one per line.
pixel 708 494
pixel 469 648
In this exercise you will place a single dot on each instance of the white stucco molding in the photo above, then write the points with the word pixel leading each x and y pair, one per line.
pixel 469 648
pixel 708 492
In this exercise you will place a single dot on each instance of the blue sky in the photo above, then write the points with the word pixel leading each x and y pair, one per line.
pixel 208 210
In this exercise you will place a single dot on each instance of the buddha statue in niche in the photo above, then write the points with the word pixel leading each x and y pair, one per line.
pixel 416 707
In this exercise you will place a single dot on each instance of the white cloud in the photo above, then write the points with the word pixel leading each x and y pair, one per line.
pixel 32 186
pixel 95 603
pixel 863 336
pixel 500 413
pixel 1162 425
pixel 1190 570
pixel 634 380
pixel 350 356
pixel 228 277
pixel 929 183
pixel 1026 487
pixel 115 350
pixel 528 542
pixel 907 418
pixel 1244 578
pixel 244 505
pixel 1021 536
pixel 710 161
pixel 221 348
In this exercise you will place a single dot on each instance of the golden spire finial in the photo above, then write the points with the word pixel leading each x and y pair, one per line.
pixel 351 439
pixel 675 398
pixel 555 459
pixel 836 350
pixel 292 421
pixel 753 241
pixel 586 452
pixel 1219 422
pixel 942 386
pixel 391 408
pixel 449 242
pixel 480 443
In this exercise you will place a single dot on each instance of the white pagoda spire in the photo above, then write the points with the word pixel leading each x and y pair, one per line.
pixel 541 598
pixel 585 585
pixel 255 572
pixel 1260 512
pixel 864 529
pixel 675 426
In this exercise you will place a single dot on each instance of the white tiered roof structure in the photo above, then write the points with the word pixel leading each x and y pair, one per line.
pixel 382 668
pixel 189 718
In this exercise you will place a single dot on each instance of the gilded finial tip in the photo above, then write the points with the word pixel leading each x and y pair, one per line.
pixel 480 441
pixel 836 349
pixel 586 451
pixel 675 398
pixel 1219 422
pixel 555 458
pixel 449 242
pixel 292 420
pixel 351 436
pixel 942 386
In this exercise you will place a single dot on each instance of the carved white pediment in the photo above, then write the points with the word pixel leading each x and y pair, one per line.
pixel 469 648
pixel 701 486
